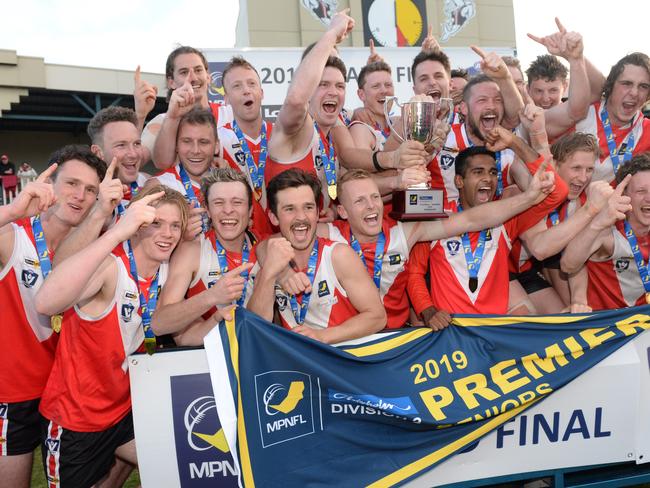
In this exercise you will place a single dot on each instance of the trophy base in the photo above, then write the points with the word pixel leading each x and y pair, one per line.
pixel 418 204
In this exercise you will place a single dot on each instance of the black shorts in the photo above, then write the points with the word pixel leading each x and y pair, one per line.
pixel 19 427
pixel 531 280
pixel 81 459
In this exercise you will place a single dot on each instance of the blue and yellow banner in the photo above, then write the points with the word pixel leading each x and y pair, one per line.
pixel 385 411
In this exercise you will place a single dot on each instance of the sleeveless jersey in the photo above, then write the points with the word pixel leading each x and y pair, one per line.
pixel 236 159
pixel 28 342
pixel 380 137
pixel 392 287
pixel 329 305
pixel 592 124
pixel 88 390
pixel 171 177
pixel 210 270
pixel 310 162
pixel 615 282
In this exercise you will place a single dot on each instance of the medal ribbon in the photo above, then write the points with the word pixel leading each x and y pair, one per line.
pixel 499 191
pixel 41 247
pixel 384 131
pixel 379 256
pixel 147 306
pixel 626 147
pixel 256 170
pixel 473 259
pixel 223 264
pixel 329 162
pixel 191 196
pixel 134 191
pixel 300 310
pixel 555 215
pixel 641 265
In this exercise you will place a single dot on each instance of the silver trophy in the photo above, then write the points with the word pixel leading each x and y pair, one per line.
pixel 419 122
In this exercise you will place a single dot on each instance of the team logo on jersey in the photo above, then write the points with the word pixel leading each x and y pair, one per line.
pixel 282 301
pixel 323 289
pixel 211 284
pixel 318 161
pixel 622 265
pixel 29 278
pixel 453 247
pixel 284 406
pixel 447 161
pixel 202 452
pixel 240 157
pixel 127 312
pixel 395 259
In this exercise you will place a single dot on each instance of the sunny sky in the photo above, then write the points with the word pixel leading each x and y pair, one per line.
pixel 132 32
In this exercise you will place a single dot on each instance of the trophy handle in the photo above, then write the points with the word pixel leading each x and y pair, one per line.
pixel 450 115
pixel 390 124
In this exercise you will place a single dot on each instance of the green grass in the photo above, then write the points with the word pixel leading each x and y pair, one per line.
pixel 38 475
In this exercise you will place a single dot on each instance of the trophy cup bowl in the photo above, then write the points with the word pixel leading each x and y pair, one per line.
pixel 419 122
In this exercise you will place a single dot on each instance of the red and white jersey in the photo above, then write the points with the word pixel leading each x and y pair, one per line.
pixel 392 286
pixel 28 343
pixel 310 162
pixel 210 271
pixel 443 169
pixel 329 304
pixel 88 389
pixel 592 124
pixel 236 159
pixel 615 282
pixel 450 277
pixel 171 178
pixel 380 137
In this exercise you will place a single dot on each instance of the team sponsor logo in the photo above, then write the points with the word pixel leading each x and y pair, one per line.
pixel 453 247
pixel 395 259
pixel 622 265
pixel 447 161
pixel 318 161
pixel 130 295
pixel 323 289
pixel 413 199
pixel 31 262
pixel 343 403
pixel 284 406
pixel 202 453
pixel 127 312
pixel 29 278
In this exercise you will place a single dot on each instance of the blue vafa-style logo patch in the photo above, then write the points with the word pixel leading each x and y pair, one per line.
pixel 202 452
pixel 29 278
pixel 284 406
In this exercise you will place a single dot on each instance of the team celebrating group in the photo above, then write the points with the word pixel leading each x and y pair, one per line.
pixel 548 203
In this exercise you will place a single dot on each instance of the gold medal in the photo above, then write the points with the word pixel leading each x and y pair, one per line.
pixel 55 322
pixel 331 191
pixel 647 297
pixel 150 345
pixel 258 194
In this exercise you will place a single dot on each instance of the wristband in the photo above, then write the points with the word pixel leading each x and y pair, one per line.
pixel 375 161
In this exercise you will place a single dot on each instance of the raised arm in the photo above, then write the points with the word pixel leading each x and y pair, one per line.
pixel 36 197
pixel 144 97
pixel 111 191
pixel 494 67
pixel 598 234
pixel 59 292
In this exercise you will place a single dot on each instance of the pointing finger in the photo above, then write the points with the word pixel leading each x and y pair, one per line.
pixel 152 198
pixel 479 51
pixel 430 31
pixel 240 269
pixel 110 171
pixel 560 27
pixel 620 188
pixel 137 75
pixel 372 47
pixel 535 38
pixel 47 173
